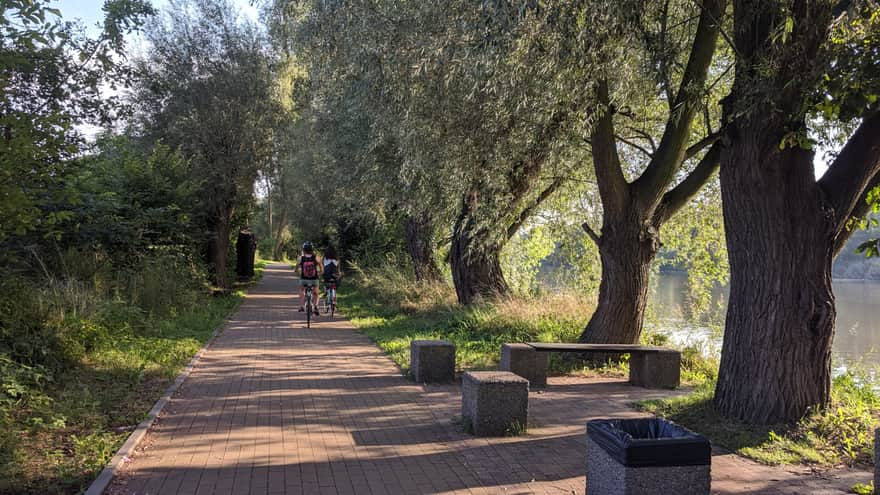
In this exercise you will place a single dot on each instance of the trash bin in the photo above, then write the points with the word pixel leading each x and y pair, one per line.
pixel 646 456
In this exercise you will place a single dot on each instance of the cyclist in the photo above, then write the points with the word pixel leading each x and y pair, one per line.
pixel 309 269
pixel 332 271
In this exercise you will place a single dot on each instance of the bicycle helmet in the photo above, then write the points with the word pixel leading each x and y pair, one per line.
pixel 307 247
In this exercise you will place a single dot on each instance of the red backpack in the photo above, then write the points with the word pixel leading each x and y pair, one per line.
pixel 309 266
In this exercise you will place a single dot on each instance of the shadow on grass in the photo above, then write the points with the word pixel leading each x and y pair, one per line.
pixel 697 412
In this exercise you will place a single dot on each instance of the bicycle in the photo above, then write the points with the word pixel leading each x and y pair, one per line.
pixel 329 300
pixel 309 305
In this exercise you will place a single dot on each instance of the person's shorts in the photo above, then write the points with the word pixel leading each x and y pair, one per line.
pixel 308 281
pixel 334 282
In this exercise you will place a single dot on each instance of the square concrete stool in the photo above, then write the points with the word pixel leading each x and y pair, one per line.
pixel 525 361
pixel 432 361
pixel 655 369
pixel 494 403
pixel 646 456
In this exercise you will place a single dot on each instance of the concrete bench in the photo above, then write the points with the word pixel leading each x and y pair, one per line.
pixel 649 366
pixel 432 361
pixel 494 403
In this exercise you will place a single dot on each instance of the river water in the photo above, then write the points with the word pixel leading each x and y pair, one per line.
pixel 857 332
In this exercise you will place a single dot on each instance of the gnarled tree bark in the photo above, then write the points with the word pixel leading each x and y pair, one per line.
pixel 783 227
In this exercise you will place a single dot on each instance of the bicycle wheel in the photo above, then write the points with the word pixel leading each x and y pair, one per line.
pixel 308 307
pixel 332 298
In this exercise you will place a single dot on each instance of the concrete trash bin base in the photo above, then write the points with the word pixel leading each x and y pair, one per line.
pixel 646 457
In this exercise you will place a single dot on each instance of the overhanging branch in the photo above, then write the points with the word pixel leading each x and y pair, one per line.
pixel 857 165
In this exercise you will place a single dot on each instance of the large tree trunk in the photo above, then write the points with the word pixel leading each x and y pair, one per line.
pixel 218 249
pixel 627 249
pixel 776 362
pixel 476 270
pixel 474 259
pixel 418 234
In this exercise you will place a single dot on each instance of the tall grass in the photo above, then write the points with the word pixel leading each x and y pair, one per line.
pixel 393 310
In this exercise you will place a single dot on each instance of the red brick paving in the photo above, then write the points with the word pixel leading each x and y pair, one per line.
pixel 274 408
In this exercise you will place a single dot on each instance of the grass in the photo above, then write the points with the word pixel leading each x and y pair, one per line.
pixel 843 434
pixel 61 428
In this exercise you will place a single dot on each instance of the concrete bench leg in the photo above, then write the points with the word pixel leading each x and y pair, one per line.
pixel 432 361
pixel 660 369
pixel 494 403
pixel 525 361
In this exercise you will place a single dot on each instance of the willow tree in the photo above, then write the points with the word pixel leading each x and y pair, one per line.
pixel 207 89
pixel 459 126
pixel 634 209
pixel 795 59
pixel 498 123
pixel 356 57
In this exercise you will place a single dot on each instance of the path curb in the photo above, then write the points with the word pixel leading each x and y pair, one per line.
pixel 125 452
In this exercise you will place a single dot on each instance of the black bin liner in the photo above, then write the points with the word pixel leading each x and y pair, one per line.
pixel 650 442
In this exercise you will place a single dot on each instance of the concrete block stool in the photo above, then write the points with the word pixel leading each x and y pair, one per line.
pixel 657 369
pixel 494 403
pixel 525 361
pixel 646 456
pixel 432 361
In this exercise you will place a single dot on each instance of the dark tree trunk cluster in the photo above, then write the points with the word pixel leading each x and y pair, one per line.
pixel 475 260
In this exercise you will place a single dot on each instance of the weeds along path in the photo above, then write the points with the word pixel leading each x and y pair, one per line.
pixel 275 408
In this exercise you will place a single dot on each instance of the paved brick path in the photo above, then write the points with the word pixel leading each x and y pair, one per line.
pixel 274 408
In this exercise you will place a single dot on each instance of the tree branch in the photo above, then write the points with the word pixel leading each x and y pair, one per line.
pixel 530 210
pixel 646 136
pixel 613 188
pixel 592 233
pixel 634 145
pixel 670 153
pixel 859 211
pixel 522 176
pixel 700 145
pixel 846 181
pixel 678 196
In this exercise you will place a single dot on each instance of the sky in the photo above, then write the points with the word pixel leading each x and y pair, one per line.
pixel 89 11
